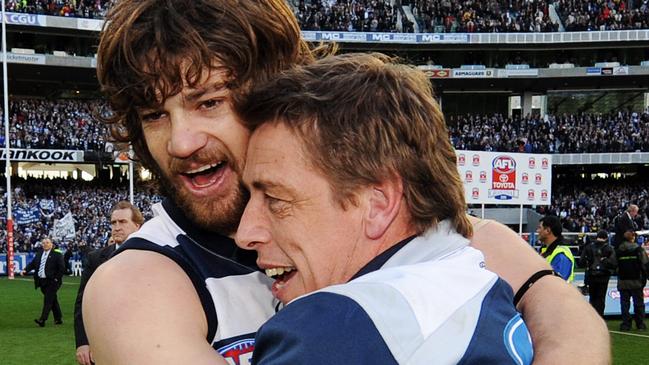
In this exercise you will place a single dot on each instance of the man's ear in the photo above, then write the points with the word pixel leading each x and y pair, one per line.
pixel 384 202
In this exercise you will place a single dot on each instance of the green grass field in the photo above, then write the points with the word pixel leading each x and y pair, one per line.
pixel 21 340
pixel 24 343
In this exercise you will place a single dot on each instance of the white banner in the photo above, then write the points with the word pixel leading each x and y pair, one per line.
pixel 63 228
pixel 505 178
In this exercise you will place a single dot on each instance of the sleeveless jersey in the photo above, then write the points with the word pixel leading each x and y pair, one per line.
pixel 236 298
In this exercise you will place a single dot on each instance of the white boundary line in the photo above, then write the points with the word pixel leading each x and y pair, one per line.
pixel 629 334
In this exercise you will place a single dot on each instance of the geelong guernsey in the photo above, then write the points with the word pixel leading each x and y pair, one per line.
pixel 428 300
pixel 236 298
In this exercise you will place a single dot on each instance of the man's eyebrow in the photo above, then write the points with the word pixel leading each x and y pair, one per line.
pixel 199 92
pixel 265 185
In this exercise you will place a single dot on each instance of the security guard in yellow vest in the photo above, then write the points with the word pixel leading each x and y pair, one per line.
pixel 554 251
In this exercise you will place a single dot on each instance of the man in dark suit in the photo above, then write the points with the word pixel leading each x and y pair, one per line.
pixel 124 220
pixel 624 223
pixel 48 269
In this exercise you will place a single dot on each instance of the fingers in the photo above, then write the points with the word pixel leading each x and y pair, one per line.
pixel 83 355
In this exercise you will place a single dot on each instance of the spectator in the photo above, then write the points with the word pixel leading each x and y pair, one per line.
pixel 632 277
pixel 599 260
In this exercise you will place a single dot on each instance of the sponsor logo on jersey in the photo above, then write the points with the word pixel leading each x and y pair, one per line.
pixel 238 353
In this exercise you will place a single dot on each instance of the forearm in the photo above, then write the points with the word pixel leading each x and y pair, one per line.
pixel 564 327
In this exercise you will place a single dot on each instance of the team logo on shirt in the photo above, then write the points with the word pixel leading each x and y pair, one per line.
pixel 238 353
pixel 518 341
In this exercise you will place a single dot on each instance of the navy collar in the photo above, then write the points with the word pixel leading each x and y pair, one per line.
pixel 382 258
pixel 214 241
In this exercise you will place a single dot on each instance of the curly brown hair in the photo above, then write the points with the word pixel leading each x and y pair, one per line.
pixel 150 49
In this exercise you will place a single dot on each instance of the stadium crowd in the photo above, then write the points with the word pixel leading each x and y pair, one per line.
pixel 56 124
pixel 69 8
pixel 346 15
pixel 581 133
pixel 88 201
pixel 448 16
pixel 72 124
pixel 591 15
pixel 439 16
pixel 591 205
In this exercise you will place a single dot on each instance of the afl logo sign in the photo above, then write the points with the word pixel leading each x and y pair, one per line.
pixel 503 183
pixel 504 173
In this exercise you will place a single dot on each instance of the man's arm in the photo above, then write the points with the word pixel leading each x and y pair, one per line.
pixel 83 350
pixel 141 308
pixel 31 265
pixel 557 316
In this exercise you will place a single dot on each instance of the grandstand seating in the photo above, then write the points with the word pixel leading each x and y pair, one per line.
pixel 56 124
pixel 438 16
pixel 89 203
pixel 590 205
pixel 582 133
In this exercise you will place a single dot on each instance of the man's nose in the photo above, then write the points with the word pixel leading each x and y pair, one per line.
pixel 186 137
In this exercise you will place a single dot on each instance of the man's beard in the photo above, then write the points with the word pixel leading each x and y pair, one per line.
pixel 221 215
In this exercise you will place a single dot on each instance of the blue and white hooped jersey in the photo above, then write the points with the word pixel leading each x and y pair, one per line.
pixel 428 301
pixel 236 298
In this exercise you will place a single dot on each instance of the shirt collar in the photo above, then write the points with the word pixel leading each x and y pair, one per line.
pixel 382 258
pixel 216 242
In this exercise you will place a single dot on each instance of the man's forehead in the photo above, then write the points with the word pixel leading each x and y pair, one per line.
pixel 209 80
pixel 121 213
pixel 272 151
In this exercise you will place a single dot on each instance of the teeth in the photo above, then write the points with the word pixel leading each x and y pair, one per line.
pixel 203 168
pixel 278 271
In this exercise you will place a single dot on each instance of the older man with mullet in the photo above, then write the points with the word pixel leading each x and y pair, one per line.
pixel 353 181
pixel 174 72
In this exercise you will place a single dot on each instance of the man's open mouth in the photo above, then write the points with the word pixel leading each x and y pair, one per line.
pixel 281 274
pixel 205 175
